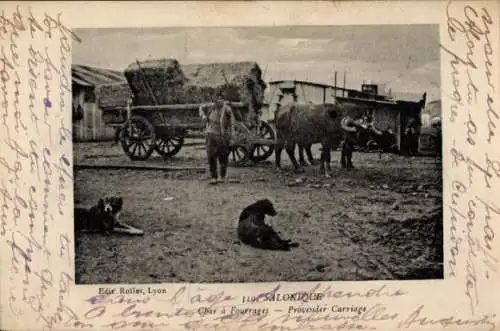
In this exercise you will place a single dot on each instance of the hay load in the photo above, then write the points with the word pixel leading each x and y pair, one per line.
pixel 171 83
pixel 155 80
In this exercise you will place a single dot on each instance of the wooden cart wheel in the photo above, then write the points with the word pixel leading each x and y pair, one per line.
pixel 238 155
pixel 169 146
pixel 261 152
pixel 138 138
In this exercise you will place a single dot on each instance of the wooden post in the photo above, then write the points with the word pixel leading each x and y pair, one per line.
pixel 343 91
pixel 145 83
pixel 94 132
pixel 129 114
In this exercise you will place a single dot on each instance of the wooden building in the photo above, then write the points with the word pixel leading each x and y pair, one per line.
pixel 389 111
pixel 87 82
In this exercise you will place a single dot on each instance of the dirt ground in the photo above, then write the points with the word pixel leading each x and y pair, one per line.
pixel 382 220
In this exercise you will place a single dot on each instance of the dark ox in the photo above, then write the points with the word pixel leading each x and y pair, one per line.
pixel 383 141
pixel 331 125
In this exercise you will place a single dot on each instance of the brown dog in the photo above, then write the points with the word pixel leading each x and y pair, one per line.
pixel 253 231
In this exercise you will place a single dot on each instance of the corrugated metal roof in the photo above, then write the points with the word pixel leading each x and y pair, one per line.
pixel 89 76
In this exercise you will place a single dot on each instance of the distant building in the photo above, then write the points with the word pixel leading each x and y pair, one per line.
pixel 390 112
pixel 431 113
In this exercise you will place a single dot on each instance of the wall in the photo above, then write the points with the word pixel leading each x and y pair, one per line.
pixel 305 93
pixel 387 118
pixel 316 94
pixel 273 101
pixel 91 127
pixel 310 93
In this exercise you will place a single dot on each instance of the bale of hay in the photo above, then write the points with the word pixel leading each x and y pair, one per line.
pixel 237 81
pixel 157 81
pixel 111 96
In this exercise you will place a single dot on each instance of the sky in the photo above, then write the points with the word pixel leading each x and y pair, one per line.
pixel 404 57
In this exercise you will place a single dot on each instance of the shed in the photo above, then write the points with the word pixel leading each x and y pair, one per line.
pixel 389 111
pixel 88 90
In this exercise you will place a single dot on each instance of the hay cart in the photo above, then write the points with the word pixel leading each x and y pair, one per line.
pixel 145 129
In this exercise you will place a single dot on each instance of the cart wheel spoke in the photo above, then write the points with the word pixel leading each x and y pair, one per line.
pixel 135 148
pixel 261 152
pixel 169 146
pixel 239 155
pixel 141 148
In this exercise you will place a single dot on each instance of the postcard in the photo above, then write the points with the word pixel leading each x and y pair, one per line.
pixel 271 166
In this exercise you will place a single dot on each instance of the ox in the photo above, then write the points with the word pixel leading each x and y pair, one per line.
pixel 381 140
pixel 329 124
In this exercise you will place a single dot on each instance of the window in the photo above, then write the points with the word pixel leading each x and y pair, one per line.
pixel 288 93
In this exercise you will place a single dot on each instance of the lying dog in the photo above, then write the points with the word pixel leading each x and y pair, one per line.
pixel 102 217
pixel 253 231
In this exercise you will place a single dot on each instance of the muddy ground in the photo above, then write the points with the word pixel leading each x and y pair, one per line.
pixel 380 221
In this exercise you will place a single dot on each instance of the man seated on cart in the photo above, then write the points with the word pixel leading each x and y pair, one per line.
pixel 219 131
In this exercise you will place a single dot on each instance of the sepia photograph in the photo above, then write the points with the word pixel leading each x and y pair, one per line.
pixel 249 165
pixel 257 154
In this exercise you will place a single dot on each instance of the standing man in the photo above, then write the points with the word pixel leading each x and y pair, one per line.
pixel 412 133
pixel 219 130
